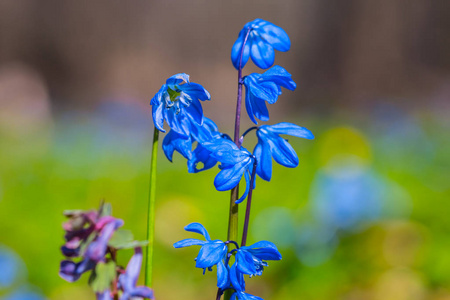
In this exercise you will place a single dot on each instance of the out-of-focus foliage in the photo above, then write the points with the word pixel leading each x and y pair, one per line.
pixel 364 216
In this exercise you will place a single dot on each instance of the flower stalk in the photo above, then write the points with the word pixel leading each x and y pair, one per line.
pixel 249 206
pixel 151 210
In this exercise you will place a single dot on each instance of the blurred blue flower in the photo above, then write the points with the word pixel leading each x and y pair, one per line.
pixel 235 163
pixel 260 88
pixel 127 281
pixel 24 293
pixel 348 196
pixel 11 267
pixel 177 102
pixel 270 144
pixel 263 38
pixel 212 252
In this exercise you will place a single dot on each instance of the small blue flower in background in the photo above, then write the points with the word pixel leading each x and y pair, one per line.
pixel 211 253
pixel 270 144
pixel 127 281
pixel 235 163
pixel 177 102
pixel 11 267
pixel 260 88
pixel 263 38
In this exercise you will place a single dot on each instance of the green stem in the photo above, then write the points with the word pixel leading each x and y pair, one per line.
pixel 151 211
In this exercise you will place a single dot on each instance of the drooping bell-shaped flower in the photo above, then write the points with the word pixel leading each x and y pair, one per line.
pixel 177 102
pixel 271 144
pixel 212 252
pixel 250 260
pixel 266 87
pixel 262 39
pixel 235 163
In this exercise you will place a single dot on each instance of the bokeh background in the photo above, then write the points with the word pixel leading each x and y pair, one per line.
pixel 365 216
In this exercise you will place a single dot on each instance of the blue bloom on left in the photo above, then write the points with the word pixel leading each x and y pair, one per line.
pixel 211 253
pixel 177 102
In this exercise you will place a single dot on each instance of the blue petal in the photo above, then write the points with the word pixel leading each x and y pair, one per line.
pixel 276 37
pixel 195 110
pixel 195 90
pixel 177 79
pixel 244 262
pixel 223 280
pixel 175 141
pixel 267 91
pixel 260 109
pixel 264 250
pixel 236 51
pixel 177 122
pixel 157 99
pixel 262 53
pixel 188 242
pixel 237 278
pixel 210 254
pixel 228 178
pixel 283 153
pixel 290 129
pixel 247 187
pixel 200 154
pixel 158 116
pixel 198 228
pixel 264 159
pixel 225 151
pixel 249 100
pixel 279 76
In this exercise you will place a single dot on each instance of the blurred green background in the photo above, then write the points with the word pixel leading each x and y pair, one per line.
pixel 363 217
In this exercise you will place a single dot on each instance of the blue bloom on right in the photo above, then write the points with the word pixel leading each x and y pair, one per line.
pixel 271 144
pixel 262 39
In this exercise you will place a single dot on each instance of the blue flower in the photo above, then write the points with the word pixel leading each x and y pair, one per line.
pixel 250 259
pixel 127 281
pixel 177 102
pixel 235 163
pixel 263 38
pixel 211 253
pixel 270 144
pixel 260 88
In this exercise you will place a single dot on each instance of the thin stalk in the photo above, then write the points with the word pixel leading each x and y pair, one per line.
pixel 234 211
pixel 151 211
pixel 249 206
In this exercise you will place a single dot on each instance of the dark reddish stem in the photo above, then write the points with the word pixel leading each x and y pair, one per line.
pixel 237 123
pixel 249 206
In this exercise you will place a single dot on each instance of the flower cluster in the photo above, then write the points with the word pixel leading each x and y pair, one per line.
pixel 200 142
pixel 248 260
pixel 95 237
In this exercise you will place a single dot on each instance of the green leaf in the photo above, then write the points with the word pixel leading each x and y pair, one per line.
pixel 105 274
pixel 123 239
